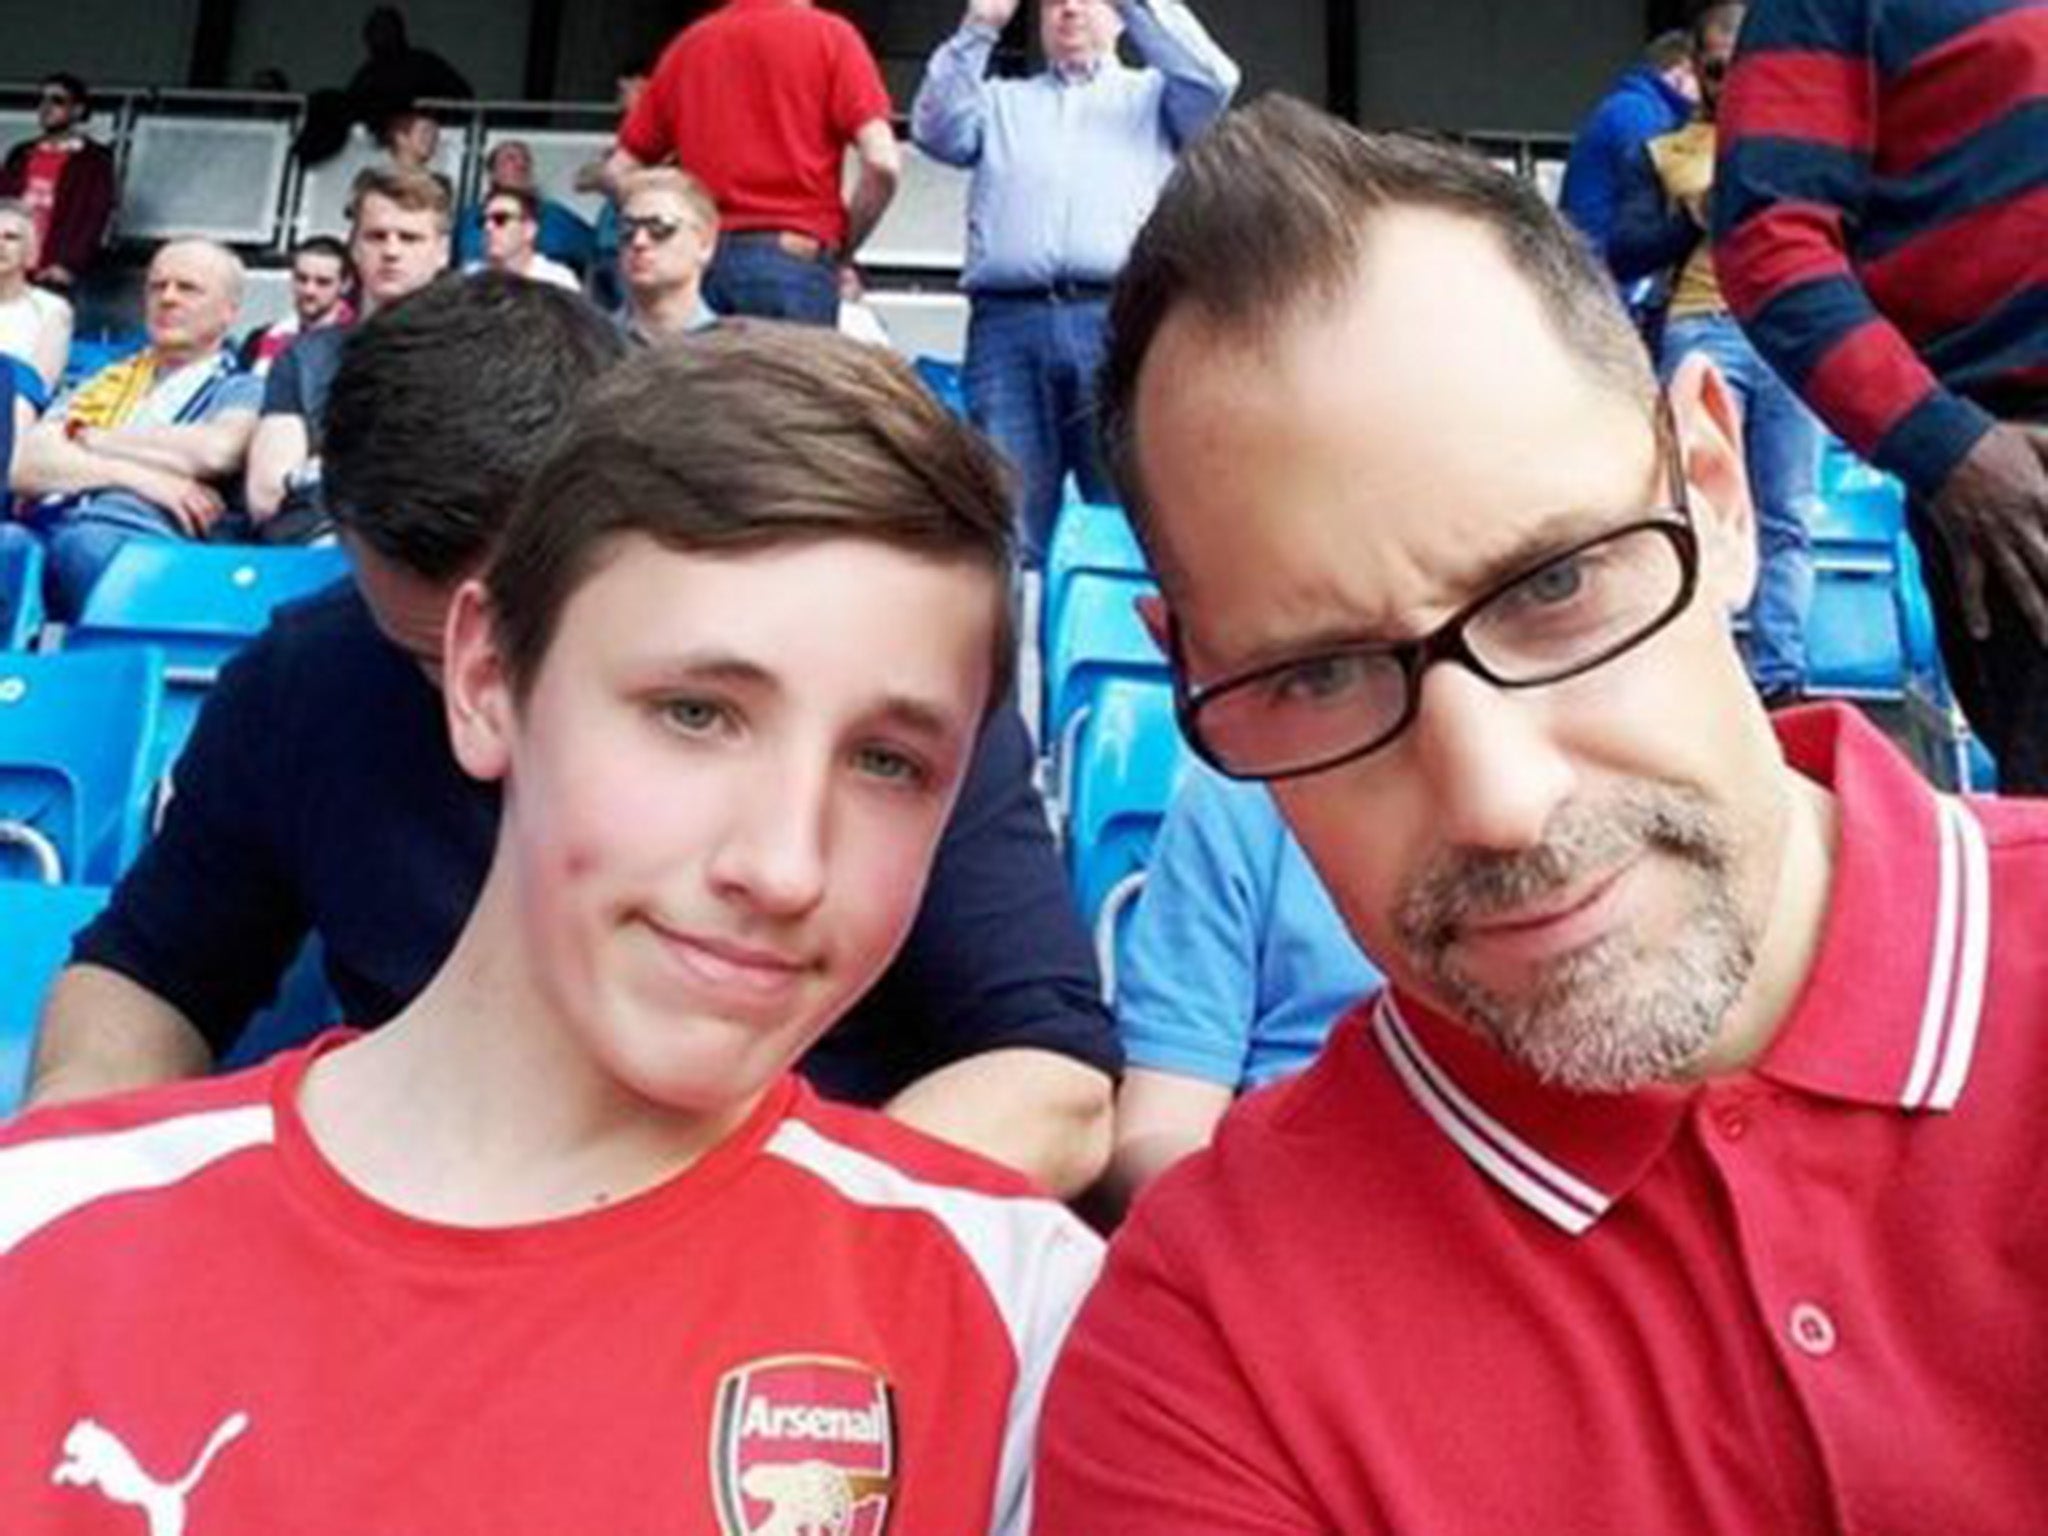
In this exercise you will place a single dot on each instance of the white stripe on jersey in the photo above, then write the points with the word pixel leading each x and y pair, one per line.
pixel 46 1180
pixel 1036 1259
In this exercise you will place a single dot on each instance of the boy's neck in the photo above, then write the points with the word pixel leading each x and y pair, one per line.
pixel 472 1108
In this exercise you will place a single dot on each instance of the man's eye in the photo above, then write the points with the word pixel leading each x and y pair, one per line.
pixel 1318 680
pixel 1558 582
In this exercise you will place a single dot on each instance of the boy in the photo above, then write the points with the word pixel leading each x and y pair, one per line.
pixel 564 1247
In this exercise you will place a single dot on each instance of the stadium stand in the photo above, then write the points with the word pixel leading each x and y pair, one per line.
pixel 76 735
pixel 39 921
pixel 195 605
pixel 21 594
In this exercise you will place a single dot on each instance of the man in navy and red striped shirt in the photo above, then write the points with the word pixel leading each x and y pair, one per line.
pixel 1881 229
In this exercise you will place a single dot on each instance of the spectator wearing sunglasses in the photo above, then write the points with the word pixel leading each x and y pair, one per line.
pixel 67 181
pixel 668 230
pixel 511 224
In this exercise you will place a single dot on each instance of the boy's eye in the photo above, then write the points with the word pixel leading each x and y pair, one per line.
pixel 892 765
pixel 694 717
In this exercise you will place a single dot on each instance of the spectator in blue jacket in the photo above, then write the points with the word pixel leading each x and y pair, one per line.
pixel 1653 96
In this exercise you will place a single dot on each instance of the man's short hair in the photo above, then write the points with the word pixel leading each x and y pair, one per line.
pixel 444 403
pixel 527 199
pixel 71 86
pixel 1272 210
pixel 752 435
pixel 414 191
pixel 329 246
pixel 669 178
pixel 1668 50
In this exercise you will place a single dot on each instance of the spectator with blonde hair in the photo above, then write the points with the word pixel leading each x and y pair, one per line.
pixel 668 230
pixel 35 324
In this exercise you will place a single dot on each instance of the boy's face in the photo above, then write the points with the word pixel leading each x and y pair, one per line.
pixel 723 790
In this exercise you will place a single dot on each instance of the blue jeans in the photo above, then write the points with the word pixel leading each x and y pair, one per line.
pixel 80 542
pixel 752 275
pixel 1781 441
pixel 1031 367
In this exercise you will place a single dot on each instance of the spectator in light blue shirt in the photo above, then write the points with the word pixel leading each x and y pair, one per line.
pixel 1066 167
pixel 1235 967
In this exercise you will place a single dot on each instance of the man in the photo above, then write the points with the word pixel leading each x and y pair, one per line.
pixel 1066 165
pixel 511 219
pixel 1684 1166
pixel 395 74
pixel 322 284
pixel 142 448
pixel 1877 228
pixel 563 235
pixel 398 239
pixel 1654 95
pixel 566 1247
pixel 668 228
pixel 1231 974
pixel 1660 232
pixel 318 793
pixel 760 101
pixel 35 324
pixel 66 179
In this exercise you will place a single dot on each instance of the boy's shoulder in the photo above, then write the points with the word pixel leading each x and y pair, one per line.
pixel 243 1096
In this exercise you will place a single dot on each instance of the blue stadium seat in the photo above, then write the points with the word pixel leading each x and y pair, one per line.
pixel 75 776
pixel 1127 759
pixel 1855 644
pixel 1086 537
pixel 1099 635
pixel 1861 507
pixel 36 925
pixel 945 380
pixel 21 588
pixel 198 604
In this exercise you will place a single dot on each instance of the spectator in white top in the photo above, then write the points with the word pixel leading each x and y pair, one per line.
pixel 512 236
pixel 35 324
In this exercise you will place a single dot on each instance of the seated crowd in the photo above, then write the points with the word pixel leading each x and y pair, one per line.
pixel 1547 1087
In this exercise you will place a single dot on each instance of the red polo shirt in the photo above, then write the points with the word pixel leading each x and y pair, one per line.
pixel 1417 1291
pixel 759 101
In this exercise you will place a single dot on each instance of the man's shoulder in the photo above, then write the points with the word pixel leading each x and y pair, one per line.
pixel 317 651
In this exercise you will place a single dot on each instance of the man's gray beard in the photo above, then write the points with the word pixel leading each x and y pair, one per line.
pixel 1625 1011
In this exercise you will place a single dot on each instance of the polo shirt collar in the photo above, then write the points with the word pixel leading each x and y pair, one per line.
pixel 1906 938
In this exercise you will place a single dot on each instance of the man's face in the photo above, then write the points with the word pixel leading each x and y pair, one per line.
pixel 57 109
pixel 1581 870
pixel 663 244
pixel 723 791
pixel 317 281
pixel 189 299
pixel 508 234
pixel 510 165
pixel 1077 33
pixel 396 250
pixel 410 611
pixel 416 139
pixel 1710 63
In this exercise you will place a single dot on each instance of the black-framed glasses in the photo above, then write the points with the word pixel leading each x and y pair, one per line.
pixel 1575 609
pixel 656 228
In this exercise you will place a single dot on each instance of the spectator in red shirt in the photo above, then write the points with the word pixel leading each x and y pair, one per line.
pixel 66 179
pixel 760 101
pixel 1683 1177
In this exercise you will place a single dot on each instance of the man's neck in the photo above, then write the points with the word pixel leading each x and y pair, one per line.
pixel 668 312
pixel 171 359
pixel 62 138
pixel 12 288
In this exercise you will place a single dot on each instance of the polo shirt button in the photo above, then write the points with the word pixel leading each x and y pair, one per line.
pixel 1813 1331
pixel 1733 1124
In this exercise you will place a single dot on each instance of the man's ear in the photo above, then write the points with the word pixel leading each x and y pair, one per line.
pixel 1710 452
pixel 476 687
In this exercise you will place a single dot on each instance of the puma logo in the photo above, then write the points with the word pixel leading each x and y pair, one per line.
pixel 94 1458
pixel 809 1498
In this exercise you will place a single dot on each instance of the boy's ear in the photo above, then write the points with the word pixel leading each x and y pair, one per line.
pixel 476 686
pixel 1710 450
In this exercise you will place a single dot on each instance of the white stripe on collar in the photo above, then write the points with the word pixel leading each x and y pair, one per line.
pixel 1954 1003
pixel 1549 1190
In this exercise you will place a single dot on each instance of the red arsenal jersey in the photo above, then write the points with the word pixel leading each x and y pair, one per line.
pixel 828 1324
pixel 1418 1291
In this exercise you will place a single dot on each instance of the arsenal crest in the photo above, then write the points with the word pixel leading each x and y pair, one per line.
pixel 803 1445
